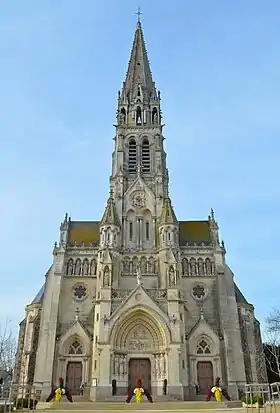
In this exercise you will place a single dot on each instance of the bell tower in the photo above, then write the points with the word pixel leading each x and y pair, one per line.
pixel 139 152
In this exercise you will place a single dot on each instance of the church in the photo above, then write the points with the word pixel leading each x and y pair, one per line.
pixel 139 293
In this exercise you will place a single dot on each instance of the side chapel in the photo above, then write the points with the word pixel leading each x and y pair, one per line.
pixel 139 293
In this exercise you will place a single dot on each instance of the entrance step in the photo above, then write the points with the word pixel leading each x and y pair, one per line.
pixel 158 406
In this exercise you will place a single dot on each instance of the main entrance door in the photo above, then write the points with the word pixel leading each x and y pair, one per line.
pixel 139 369
pixel 205 376
pixel 74 376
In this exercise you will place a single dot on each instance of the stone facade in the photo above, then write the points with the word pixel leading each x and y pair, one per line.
pixel 139 293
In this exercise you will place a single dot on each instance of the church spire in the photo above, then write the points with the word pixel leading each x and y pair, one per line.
pixel 139 81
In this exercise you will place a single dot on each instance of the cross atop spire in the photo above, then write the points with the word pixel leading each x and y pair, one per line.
pixel 139 82
pixel 139 14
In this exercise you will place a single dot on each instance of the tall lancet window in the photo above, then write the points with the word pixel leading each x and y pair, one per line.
pixel 132 156
pixel 138 116
pixel 146 159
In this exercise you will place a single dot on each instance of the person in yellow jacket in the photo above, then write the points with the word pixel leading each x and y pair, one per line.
pixel 217 391
pixel 138 391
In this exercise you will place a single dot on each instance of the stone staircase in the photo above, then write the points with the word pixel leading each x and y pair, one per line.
pixel 120 406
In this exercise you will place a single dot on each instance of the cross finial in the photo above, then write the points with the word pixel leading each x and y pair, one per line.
pixel 139 14
pixel 77 313
pixel 201 314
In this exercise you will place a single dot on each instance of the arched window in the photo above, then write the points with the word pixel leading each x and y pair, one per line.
pixel 203 347
pixel 132 156
pixel 75 347
pixel 138 116
pixel 146 161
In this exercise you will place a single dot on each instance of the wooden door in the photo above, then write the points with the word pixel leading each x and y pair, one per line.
pixel 205 376
pixel 74 376
pixel 139 369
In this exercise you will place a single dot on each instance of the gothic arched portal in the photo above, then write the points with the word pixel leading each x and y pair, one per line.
pixel 140 330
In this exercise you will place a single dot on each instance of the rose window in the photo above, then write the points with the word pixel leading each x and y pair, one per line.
pixel 198 291
pixel 80 292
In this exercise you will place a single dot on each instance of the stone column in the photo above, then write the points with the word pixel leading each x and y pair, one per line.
pixel 141 232
pixel 124 232
pixel 154 232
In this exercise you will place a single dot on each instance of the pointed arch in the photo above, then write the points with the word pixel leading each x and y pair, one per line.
pixel 145 156
pixel 138 116
pixel 132 156
pixel 140 322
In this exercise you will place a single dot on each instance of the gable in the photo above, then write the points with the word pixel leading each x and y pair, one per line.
pixel 137 298
pixel 139 188
pixel 203 331
pixel 77 330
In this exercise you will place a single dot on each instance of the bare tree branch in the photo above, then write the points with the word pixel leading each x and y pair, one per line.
pixel 8 347
pixel 272 346
pixel 273 323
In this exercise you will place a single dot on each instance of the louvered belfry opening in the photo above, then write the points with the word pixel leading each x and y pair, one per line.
pixel 132 156
pixel 146 161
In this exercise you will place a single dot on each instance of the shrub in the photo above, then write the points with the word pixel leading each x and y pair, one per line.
pixel 253 399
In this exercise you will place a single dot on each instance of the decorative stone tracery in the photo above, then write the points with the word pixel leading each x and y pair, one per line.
pixel 200 266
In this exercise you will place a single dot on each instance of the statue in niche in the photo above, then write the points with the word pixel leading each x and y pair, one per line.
pixel 193 266
pixel 106 277
pixel 93 267
pixel 122 118
pixel 200 267
pixel 126 265
pixel 155 118
pixel 134 265
pixel 172 277
pixel 70 267
pixel 208 266
pixel 143 265
pixel 78 267
pixel 85 267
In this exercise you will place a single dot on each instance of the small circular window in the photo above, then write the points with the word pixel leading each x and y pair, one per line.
pixel 79 292
pixel 199 292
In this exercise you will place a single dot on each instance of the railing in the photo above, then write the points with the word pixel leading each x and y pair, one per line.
pixel 262 396
pixel 19 397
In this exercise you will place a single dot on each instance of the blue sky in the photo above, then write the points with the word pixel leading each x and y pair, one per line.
pixel 217 66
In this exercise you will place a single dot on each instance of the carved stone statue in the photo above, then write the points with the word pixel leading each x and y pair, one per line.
pixel 193 266
pixel 85 267
pixel 172 277
pixel 122 118
pixel 78 267
pixel 200 267
pixel 155 120
pixel 106 276
pixel 208 265
pixel 70 267
pixel 93 267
